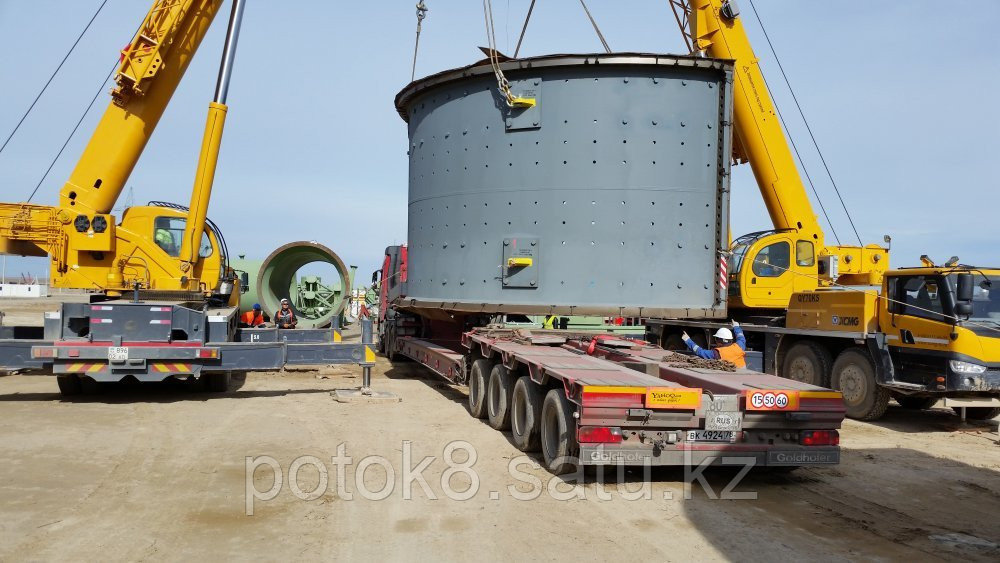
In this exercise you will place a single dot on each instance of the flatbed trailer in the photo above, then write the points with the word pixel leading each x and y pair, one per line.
pixel 109 341
pixel 585 399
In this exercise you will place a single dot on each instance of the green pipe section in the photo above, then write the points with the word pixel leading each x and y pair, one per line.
pixel 315 301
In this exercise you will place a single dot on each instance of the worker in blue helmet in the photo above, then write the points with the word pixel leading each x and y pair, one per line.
pixel 254 318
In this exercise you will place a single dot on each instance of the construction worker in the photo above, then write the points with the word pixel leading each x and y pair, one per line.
pixel 285 317
pixel 253 318
pixel 726 349
pixel 551 322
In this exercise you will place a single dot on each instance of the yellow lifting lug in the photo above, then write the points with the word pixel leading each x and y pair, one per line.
pixel 522 102
pixel 519 262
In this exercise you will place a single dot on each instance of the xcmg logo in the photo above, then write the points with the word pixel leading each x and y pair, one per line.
pixel 845 321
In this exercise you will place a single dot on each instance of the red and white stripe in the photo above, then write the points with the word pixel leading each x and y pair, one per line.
pixel 723 273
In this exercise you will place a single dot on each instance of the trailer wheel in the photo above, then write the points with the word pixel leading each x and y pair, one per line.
pixel 217 382
pixel 477 387
pixel 558 433
pixel 916 403
pixel 69 385
pixel 978 413
pixel 526 414
pixel 808 362
pixel 854 376
pixel 498 396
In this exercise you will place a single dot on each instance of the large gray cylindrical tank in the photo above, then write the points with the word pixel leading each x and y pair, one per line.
pixel 608 196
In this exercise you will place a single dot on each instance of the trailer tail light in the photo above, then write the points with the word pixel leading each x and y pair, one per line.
pixel 43 352
pixel 206 353
pixel 599 434
pixel 820 438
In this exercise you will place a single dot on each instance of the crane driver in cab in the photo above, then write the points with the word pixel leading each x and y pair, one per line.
pixel 728 348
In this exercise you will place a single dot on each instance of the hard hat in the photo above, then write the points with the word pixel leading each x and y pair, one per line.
pixel 284 300
pixel 256 306
pixel 724 334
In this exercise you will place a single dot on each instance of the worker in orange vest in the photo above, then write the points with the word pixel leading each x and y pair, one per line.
pixel 253 318
pixel 731 346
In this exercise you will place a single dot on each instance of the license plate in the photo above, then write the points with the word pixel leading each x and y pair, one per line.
pixel 711 436
pixel 117 354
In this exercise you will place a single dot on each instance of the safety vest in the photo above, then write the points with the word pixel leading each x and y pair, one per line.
pixel 282 317
pixel 733 354
pixel 249 318
pixel 550 322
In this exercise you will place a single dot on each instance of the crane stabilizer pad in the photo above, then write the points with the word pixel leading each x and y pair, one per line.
pixel 364 396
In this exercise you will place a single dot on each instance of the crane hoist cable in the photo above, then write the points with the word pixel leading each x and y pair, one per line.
pixel 502 84
pixel 100 89
pixel 56 71
pixel 421 14
pixel 806 122
pixel 524 28
pixel 597 29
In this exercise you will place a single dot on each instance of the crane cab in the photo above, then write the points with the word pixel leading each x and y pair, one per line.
pixel 767 267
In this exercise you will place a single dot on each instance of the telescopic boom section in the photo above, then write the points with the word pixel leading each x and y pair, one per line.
pixel 212 140
pixel 151 67
pixel 758 129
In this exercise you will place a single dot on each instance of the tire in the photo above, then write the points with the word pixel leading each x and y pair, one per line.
pixel 854 376
pixel 478 378
pixel 916 403
pixel 88 386
pixel 390 346
pixel 672 342
pixel 217 382
pixel 498 397
pixel 69 385
pixel 526 414
pixel 808 362
pixel 978 413
pixel 558 433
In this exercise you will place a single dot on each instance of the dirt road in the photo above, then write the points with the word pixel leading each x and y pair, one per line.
pixel 159 472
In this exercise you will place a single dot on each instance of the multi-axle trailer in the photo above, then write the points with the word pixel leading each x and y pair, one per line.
pixel 584 399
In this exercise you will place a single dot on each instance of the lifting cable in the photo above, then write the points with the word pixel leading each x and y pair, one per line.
pixel 524 28
pixel 100 89
pixel 502 82
pixel 597 29
pixel 56 71
pixel 421 14
pixel 805 121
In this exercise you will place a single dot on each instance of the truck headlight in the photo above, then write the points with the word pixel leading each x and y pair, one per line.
pixel 966 367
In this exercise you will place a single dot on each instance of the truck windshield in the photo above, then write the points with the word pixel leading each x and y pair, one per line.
pixel 985 298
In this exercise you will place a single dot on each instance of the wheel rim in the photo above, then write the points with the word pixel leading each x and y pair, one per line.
pixel 801 369
pixel 853 384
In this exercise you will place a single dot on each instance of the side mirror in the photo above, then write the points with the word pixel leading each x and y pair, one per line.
pixel 966 285
pixel 244 282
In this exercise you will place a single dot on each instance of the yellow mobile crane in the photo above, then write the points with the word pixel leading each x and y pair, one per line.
pixel 931 332
pixel 165 299
pixel 154 247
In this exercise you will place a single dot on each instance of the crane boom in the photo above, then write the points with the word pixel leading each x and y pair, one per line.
pixel 794 257
pixel 152 66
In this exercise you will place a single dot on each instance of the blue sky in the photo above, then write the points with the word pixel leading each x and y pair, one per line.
pixel 899 94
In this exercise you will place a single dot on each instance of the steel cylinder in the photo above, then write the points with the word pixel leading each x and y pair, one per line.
pixel 603 189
